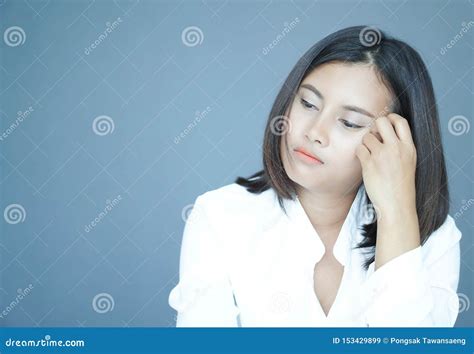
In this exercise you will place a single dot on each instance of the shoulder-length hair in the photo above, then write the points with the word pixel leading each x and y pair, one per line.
pixel 402 70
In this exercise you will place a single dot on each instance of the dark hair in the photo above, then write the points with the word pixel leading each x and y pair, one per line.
pixel 403 72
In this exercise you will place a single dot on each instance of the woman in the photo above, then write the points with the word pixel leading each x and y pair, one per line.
pixel 347 224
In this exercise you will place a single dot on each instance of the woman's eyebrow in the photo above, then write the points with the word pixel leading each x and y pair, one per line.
pixel 313 89
pixel 358 110
pixel 347 107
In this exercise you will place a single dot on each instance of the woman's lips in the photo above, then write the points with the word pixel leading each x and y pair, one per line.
pixel 307 157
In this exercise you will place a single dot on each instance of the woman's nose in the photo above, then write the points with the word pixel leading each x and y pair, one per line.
pixel 319 131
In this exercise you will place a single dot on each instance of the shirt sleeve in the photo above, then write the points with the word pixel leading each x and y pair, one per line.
pixel 203 296
pixel 419 287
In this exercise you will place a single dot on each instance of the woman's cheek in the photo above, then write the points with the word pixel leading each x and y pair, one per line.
pixel 347 150
pixel 296 120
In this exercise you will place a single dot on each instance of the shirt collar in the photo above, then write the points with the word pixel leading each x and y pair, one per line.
pixel 358 214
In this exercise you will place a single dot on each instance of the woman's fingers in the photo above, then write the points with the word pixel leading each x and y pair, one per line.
pixel 385 128
pixel 375 132
pixel 363 154
pixel 401 126
pixel 371 142
pixel 390 129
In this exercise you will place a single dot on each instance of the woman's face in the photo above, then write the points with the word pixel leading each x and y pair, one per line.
pixel 328 118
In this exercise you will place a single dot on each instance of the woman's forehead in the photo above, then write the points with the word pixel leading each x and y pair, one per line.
pixel 349 84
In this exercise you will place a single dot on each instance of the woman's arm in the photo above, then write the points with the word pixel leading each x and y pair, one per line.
pixel 388 159
pixel 406 289
pixel 203 296
pixel 418 287
pixel 397 232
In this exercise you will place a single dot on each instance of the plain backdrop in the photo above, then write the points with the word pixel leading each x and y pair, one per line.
pixel 116 115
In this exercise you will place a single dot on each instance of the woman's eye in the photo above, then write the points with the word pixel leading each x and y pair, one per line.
pixel 350 125
pixel 308 105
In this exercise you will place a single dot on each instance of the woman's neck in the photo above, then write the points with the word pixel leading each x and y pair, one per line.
pixel 326 211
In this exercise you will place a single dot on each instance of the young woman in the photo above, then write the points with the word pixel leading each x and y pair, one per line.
pixel 347 224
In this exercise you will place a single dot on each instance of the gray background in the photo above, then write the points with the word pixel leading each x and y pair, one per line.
pixel 153 84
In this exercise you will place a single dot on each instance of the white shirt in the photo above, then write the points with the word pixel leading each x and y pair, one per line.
pixel 244 262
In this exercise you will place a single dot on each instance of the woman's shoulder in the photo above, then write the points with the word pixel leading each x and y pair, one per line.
pixel 443 239
pixel 233 204
pixel 447 233
pixel 235 196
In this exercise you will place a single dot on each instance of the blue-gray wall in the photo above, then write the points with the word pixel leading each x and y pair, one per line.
pixel 115 115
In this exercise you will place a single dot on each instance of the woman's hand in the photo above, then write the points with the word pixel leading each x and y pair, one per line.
pixel 388 166
pixel 388 158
